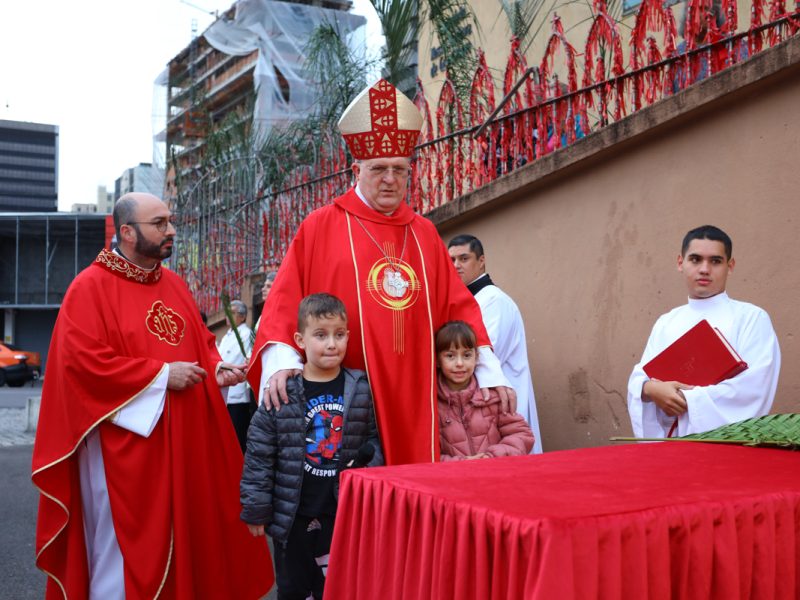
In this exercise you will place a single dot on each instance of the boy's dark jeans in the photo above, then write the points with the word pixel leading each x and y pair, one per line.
pixel 296 571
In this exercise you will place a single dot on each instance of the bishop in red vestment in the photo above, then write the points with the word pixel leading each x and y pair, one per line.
pixel 392 271
pixel 172 491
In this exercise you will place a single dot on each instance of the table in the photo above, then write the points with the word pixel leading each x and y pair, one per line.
pixel 664 520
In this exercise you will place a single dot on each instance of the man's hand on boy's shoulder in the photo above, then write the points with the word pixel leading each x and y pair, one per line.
pixel 275 390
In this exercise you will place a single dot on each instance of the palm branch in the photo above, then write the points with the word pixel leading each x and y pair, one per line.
pixel 451 20
pixel 521 15
pixel 780 430
pixel 400 24
pixel 337 73
pixel 226 305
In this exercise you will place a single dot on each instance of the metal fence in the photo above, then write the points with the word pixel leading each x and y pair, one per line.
pixel 230 225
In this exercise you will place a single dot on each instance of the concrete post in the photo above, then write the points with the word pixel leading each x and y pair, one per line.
pixel 33 404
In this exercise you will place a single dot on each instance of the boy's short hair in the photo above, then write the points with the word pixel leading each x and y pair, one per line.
pixel 319 306
pixel 475 245
pixel 708 232
pixel 455 333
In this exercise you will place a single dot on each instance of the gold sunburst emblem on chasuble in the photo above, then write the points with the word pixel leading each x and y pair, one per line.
pixel 166 324
pixel 394 285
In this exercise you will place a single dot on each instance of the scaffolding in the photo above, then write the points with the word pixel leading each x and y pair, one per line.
pixel 41 253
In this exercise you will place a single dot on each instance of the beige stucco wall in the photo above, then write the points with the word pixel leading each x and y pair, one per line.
pixel 586 240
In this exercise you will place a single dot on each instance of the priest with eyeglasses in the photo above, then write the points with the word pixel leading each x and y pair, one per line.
pixel 135 456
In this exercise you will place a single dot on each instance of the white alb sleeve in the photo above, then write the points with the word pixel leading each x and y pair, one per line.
pixel 489 371
pixel 141 415
pixel 277 357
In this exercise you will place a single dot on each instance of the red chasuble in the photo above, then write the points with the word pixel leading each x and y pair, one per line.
pixel 174 495
pixel 396 279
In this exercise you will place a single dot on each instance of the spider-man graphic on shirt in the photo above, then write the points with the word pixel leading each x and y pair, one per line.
pixel 325 447
pixel 324 437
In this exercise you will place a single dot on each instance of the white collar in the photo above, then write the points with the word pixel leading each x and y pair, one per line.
pixel 709 303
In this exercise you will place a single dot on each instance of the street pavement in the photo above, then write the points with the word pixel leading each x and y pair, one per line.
pixel 14 414
pixel 19 577
pixel 13 422
pixel 16 397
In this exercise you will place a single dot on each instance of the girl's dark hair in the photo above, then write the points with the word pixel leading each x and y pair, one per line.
pixel 455 333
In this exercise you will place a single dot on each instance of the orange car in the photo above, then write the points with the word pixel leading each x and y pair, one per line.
pixel 18 366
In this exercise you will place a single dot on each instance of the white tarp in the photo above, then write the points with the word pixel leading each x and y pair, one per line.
pixel 280 32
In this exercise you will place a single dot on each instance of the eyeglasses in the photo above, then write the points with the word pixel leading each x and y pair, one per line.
pixel 381 171
pixel 160 224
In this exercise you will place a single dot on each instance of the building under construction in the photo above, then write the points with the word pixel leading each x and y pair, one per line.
pixel 244 76
pixel 248 62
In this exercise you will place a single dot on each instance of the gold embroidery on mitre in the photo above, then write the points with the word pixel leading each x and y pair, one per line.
pixel 166 324
pixel 373 119
pixel 394 284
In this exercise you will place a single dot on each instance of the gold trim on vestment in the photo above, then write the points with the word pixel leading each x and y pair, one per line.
pixel 65 457
pixel 360 308
pixel 118 264
pixel 169 562
pixel 434 426
pixel 54 578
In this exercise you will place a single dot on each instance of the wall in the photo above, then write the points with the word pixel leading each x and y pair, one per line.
pixel 586 239
pixel 493 36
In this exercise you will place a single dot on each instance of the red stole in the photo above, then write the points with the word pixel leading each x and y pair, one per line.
pixel 342 249
pixel 174 495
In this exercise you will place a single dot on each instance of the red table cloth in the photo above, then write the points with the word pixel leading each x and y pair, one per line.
pixel 666 520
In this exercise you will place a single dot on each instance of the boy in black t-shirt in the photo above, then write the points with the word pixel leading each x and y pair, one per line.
pixel 294 455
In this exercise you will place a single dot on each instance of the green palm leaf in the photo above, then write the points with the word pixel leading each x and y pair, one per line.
pixel 781 431
pixel 400 22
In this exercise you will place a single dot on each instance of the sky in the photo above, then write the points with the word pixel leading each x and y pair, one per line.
pixel 89 67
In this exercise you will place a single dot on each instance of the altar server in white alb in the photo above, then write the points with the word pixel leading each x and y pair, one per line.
pixel 238 396
pixel 503 323
pixel 705 261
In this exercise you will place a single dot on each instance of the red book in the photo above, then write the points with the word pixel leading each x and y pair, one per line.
pixel 701 356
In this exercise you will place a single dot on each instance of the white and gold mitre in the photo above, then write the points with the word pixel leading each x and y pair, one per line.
pixel 381 123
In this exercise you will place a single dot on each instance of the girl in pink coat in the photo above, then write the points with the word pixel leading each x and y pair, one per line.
pixel 469 426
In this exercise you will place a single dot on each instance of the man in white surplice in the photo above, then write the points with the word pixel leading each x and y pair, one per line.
pixel 237 397
pixel 706 260
pixel 503 323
